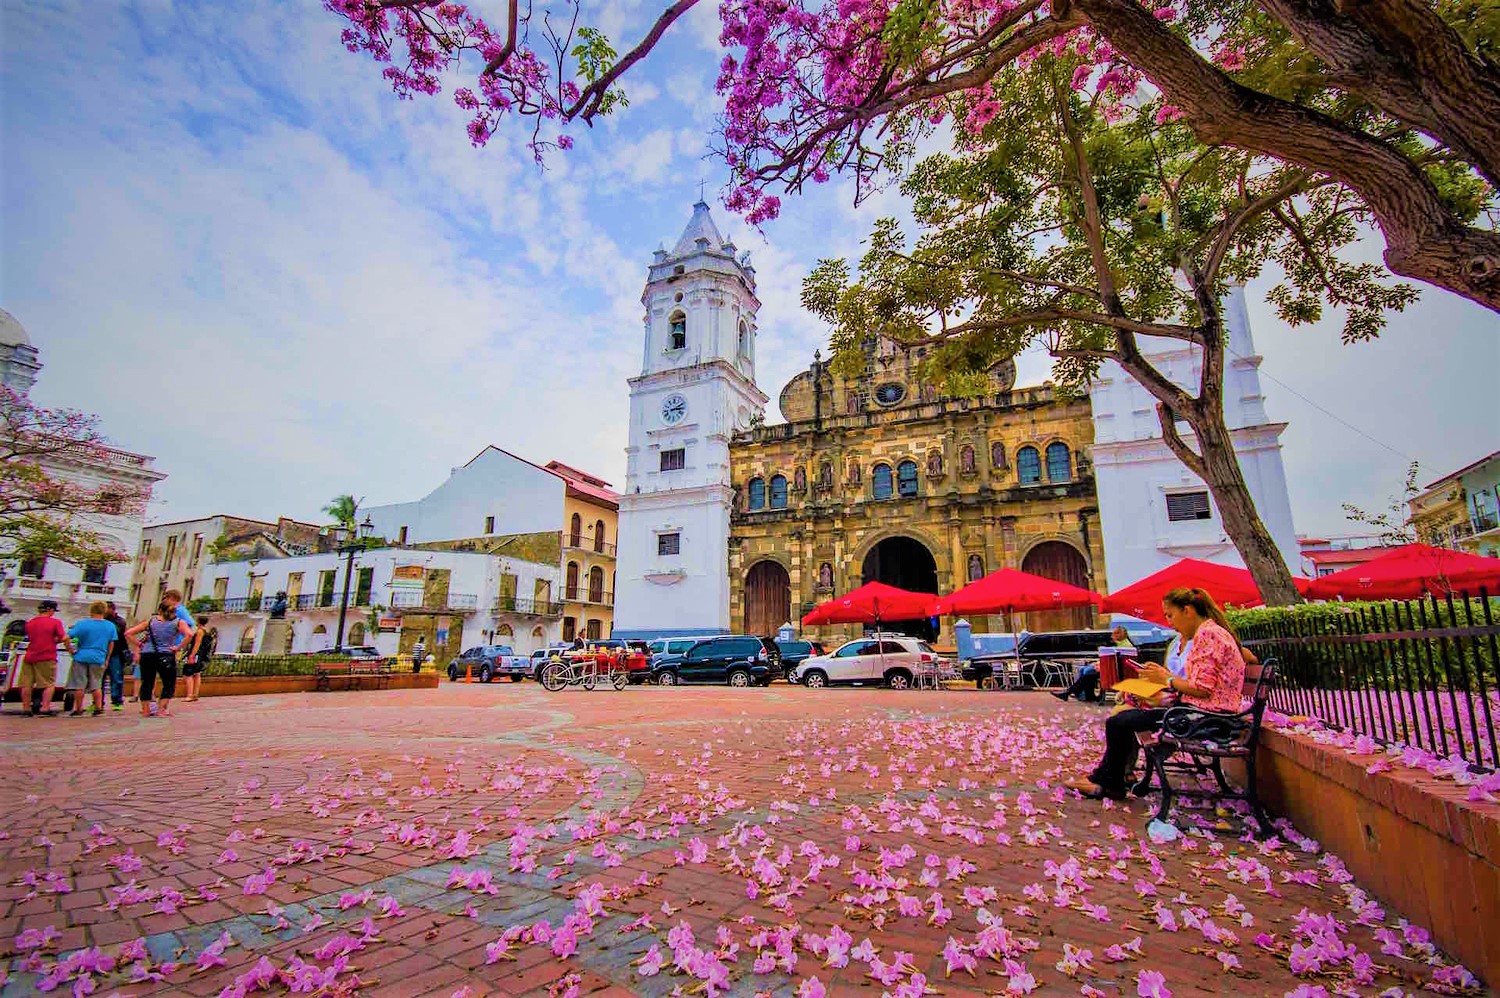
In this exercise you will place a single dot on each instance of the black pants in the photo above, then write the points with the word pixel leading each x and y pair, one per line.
pixel 154 664
pixel 1086 686
pixel 1120 746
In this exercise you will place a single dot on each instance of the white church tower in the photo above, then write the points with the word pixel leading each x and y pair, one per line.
pixel 1152 510
pixel 695 389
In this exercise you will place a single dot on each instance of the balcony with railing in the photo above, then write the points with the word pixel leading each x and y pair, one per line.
pixel 596 597
pixel 460 602
pixel 527 607
pixel 581 542
pixel 1483 522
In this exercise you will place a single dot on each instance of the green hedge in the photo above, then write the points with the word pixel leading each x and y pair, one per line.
pixel 1406 662
pixel 264 665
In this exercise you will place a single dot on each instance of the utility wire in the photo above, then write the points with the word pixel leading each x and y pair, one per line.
pixel 1333 416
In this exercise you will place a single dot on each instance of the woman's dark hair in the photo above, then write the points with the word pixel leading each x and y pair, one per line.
pixel 1202 604
pixel 165 609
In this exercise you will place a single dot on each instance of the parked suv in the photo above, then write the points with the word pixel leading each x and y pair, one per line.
pixel 891 659
pixel 672 646
pixel 794 653
pixel 738 660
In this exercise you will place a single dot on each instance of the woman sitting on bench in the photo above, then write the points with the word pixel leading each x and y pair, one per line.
pixel 1215 676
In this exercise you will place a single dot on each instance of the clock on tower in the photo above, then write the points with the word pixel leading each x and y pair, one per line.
pixel 673 409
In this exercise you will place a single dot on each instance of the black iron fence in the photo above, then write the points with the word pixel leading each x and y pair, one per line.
pixel 1418 672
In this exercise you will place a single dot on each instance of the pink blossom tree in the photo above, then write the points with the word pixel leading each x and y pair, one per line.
pixel 43 512
pixel 1397 100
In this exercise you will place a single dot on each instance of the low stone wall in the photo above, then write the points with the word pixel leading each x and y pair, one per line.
pixel 1416 842
pixel 230 686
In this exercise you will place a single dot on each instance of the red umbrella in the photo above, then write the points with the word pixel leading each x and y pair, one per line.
pixel 870 604
pixel 1225 583
pixel 1008 590
pixel 1409 572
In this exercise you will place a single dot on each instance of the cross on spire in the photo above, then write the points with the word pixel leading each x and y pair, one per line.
pixel 701 185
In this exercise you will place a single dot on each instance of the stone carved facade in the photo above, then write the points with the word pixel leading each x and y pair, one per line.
pixel 895 439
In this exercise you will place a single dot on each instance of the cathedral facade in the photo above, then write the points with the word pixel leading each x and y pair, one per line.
pixel 878 477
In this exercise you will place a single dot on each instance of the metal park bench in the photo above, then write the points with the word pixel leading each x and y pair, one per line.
pixel 355 673
pixel 1196 741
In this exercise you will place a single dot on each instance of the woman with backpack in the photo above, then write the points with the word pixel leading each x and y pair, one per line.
pixel 154 643
pixel 205 640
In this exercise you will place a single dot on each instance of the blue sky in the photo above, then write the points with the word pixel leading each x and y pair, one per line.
pixel 229 240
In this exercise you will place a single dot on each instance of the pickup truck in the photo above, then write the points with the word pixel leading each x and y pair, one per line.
pixel 489 661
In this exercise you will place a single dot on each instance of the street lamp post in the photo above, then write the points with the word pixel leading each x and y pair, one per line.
pixel 350 548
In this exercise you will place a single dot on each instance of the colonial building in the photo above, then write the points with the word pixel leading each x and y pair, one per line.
pixel 878 477
pixel 1461 510
pixel 591 511
pixel 24 584
pixel 695 390
pixel 173 555
pixel 1152 509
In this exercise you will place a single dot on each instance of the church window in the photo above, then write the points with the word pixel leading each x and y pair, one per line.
pixel 880 481
pixel 1029 465
pixel 668 544
pixel 889 393
pixel 976 568
pixel 674 460
pixel 778 492
pixel 1059 467
pixel 1188 506
pixel 677 332
pixel 744 339
pixel 906 479
pixel 757 493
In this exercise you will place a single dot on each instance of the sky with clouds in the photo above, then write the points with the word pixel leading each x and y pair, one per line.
pixel 230 241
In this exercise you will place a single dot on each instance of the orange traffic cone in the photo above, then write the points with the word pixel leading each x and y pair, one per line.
pixel 469 672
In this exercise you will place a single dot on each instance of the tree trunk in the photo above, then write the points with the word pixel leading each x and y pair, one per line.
pixel 1217 464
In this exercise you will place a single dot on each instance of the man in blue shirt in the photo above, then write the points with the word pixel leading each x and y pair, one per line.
pixel 94 639
pixel 174 598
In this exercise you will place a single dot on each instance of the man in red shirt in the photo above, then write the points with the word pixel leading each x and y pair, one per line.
pixel 44 633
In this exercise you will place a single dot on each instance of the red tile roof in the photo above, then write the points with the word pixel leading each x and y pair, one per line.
pixel 585 486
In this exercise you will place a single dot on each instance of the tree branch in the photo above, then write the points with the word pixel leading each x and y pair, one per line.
pixel 591 96
pixel 1424 239
pixel 1178 446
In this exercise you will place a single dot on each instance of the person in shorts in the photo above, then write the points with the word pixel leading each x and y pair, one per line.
pixel 205 638
pixel 94 640
pixel 44 633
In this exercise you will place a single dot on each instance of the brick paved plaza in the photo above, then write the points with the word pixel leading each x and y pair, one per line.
pixel 501 840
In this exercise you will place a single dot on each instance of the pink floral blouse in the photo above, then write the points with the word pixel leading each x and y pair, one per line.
pixel 1215 662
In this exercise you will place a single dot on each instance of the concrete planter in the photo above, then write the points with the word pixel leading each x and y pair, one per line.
pixel 229 686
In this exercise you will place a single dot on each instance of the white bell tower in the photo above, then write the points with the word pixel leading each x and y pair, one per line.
pixel 695 389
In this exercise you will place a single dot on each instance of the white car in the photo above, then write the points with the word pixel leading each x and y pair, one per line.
pixel 892 659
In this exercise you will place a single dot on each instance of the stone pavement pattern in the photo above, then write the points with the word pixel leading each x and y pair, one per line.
pixel 501 840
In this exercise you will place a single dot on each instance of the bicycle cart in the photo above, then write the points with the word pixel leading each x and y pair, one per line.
pixel 586 670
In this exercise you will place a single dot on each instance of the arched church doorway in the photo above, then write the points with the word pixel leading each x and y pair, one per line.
pixel 905 563
pixel 1062 563
pixel 768 598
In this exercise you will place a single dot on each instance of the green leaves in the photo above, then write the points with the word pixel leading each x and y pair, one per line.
pixel 595 58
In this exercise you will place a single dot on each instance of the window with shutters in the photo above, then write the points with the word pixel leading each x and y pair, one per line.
pixel 1029 465
pixel 674 460
pixel 757 493
pixel 778 492
pixel 1059 465
pixel 906 479
pixel 1188 506
pixel 881 481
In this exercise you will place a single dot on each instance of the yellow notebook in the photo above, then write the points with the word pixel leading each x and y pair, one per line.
pixel 1139 688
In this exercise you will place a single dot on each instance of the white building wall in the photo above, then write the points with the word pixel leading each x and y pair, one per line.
pixel 522 498
pixel 1135 470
